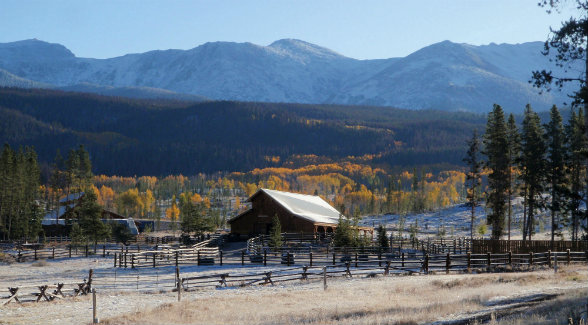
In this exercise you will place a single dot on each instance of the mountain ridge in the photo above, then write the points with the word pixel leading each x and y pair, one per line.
pixel 445 75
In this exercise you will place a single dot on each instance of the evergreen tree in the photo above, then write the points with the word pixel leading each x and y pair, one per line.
pixel 77 235
pixel 557 182
pixel 344 234
pixel 575 145
pixel 72 170
pixel 55 183
pixel 6 189
pixel 372 204
pixel 275 239
pixel 33 212
pixel 382 237
pixel 495 144
pixel 514 149
pixel 121 233
pixel 473 177
pixel 84 172
pixel 90 218
pixel 533 166
pixel 20 215
pixel 194 220
pixel 570 44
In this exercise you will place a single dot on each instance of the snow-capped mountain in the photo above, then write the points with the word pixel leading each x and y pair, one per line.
pixel 445 75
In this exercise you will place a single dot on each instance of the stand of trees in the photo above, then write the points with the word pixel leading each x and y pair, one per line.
pixel 20 213
pixel 544 163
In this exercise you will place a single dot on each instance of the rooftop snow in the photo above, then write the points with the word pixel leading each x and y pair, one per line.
pixel 308 207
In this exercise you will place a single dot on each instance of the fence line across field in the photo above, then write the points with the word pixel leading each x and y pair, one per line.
pixel 151 279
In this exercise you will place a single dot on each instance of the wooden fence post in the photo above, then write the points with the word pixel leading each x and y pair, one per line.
pixel 69 250
pixel 380 258
pixel 265 257
pixel 177 256
pixel 103 250
pixel 426 264
pixel 178 283
pixel 126 260
pixel 531 258
pixel 35 253
pixel 402 259
pixel 242 257
pixel 94 318
pixel 198 261
pixel 115 259
pixel 469 262
pixel 324 278
pixel 310 256
pixel 335 257
pixel 489 260
pixel 510 258
pixel 448 263
pixel 568 258
pixel 53 253
pixel 89 283
pixel 154 256
pixel 221 257
pixel 288 258
pixel 355 259
pixel 86 250
pixel 549 258
pixel 132 261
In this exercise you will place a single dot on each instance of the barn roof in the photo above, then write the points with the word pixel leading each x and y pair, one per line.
pixel 309 207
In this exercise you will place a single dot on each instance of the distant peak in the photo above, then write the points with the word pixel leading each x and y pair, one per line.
pixel 291 42
pixel 296 46
pixel 35 46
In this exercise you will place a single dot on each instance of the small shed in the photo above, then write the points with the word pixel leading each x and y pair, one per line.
pixel 298 213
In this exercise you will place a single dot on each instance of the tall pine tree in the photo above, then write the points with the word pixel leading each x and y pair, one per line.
pixel 514 148
pixel 495 143
pixel 556 178
pixel 473 177
pixel 575 145
pixel 533 166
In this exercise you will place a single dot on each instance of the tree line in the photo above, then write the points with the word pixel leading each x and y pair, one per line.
pixel 542 163
pixel 134 137
pixel 20 211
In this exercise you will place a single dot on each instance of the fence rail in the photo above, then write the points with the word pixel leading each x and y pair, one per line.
pixel 526 246
pixel 353 265
pixel 104 250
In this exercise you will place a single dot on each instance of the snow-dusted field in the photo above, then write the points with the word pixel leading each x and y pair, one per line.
pixel 455 220
pixel 126 300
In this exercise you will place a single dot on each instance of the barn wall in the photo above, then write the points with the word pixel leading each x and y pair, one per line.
pixel 258 220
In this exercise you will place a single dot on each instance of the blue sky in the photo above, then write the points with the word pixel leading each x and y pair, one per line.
pixel 366 29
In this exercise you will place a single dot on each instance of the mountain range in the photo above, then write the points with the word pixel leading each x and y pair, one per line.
pixel 443 76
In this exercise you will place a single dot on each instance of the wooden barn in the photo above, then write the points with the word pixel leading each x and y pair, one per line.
pixel 298 213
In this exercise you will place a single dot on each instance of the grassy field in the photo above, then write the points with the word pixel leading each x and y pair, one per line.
pixel 386 300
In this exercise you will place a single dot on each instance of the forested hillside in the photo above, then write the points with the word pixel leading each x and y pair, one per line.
pixel 140 137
